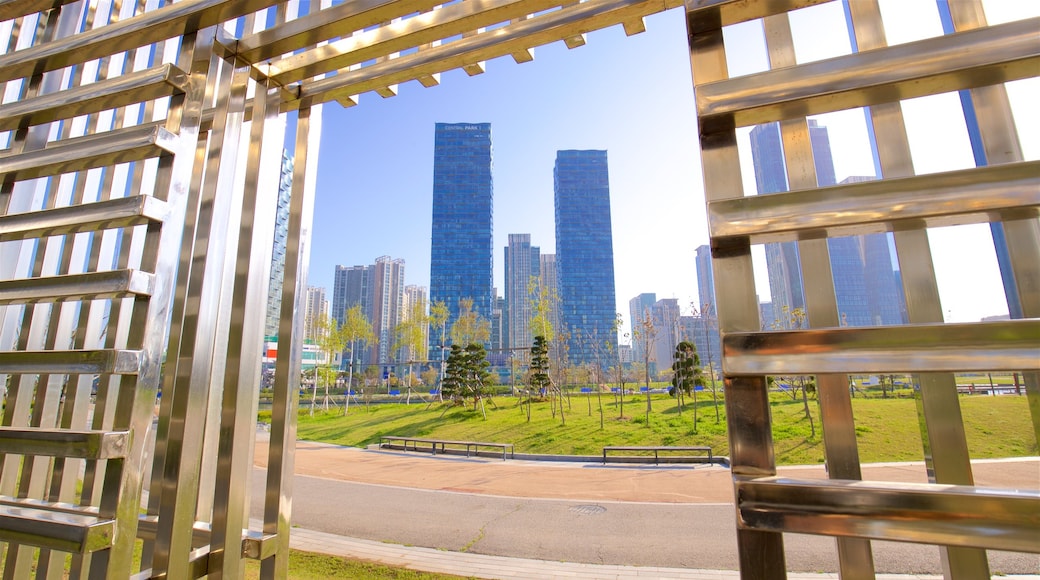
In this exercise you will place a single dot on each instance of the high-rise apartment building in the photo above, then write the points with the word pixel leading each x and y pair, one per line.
pixel 666 332
pixel 865 291
pixel 639 308
pixel 387 307
pixel 415 305
pixel 584 253
pixel 522 264
pixel 281 233
pixel 350 287
pixel 705 281
pixel 462 245
pixel 316 308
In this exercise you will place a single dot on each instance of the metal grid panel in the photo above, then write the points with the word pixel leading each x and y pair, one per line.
pixel 123 126
pixel 976 57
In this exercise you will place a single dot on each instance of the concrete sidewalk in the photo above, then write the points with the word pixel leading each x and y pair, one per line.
pixel 498 567
pixel 687 484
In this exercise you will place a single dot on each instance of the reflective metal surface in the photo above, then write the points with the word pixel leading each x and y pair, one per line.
pixel 166 257
pixel 976 57
pixel 137 252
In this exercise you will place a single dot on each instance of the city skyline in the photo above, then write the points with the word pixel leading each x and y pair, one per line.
pixel 374 186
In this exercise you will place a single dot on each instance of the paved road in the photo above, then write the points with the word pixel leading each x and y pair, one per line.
pixel 515 509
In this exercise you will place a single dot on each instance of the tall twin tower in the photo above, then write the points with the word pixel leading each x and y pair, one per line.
pixel 461 260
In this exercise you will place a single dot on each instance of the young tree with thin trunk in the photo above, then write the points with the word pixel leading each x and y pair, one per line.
pixel 648 334
pixel 356 331
pixel 470 327
pixel 330 343
pixel 411 338
pixel 439 318
pixel 686 376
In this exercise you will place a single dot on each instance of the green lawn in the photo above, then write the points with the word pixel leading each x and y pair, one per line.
pixel 887 429
pixel 308 566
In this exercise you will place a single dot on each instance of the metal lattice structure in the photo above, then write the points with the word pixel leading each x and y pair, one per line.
pixel 950 512
pixel 137 206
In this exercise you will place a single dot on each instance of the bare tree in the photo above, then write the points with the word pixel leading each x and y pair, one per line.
pixel 648 334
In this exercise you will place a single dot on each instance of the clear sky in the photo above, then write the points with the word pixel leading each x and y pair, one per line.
pixel 632 96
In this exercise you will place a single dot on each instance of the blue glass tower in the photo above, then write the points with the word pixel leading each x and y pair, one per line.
pixel 461 248
pixel 584 253
pixel 864 283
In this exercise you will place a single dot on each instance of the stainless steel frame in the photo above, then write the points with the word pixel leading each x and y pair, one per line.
pixel 137 218
pixel 952 513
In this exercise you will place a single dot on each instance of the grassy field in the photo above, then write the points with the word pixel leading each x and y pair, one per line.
pixel 887 429
pixel 308 566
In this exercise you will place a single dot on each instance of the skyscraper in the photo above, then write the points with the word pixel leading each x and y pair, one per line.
pixel 462 245
pixel 522 262
pixel 638 308
pixel 350 288
pixel 705 282
pixel 316 308
pixel 584 253
pixel 415 304
pixel 865 291
pixel 281 233
pixel 387 306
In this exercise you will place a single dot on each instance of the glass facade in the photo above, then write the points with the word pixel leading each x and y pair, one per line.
pixel 281 233
pixel 462 247
pixel 861 266
pixel 584 253
pixel 521 263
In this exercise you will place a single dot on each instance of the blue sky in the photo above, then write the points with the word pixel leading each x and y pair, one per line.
pixel 632 96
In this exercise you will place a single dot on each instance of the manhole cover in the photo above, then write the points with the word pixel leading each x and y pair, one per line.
pixel 588 510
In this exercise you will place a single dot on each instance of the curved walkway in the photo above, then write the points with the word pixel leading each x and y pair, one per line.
pixel 328 476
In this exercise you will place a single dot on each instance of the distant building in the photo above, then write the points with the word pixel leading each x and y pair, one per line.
pixel 625 353
pixel 547 284
pixel 281 233
pixel 666 332
pixel 765 314
pixel 415 302
pixel 703 332
pixel 461 247
pixel 584 253
pixel 860 265
pixel 638 308
pixel 705 281
pixel 316 308
pixel 387 308
pixel 498 354
pixel 350 287
pixel 521 265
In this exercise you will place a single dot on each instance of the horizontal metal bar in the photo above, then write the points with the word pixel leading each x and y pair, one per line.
pixel 66 532
pixel 256 545
pixel 100 150
pixel 64 443
pixel 51 506
pixel 154 83
pixel 107 284
pixel 517 37
pixel 951 515
pixel 993 193
pixel 11 9
pixel 386 40
pixel 705 15
pixel 114 213
pixel 974 58
pixel 1012 345
pixel 336 21
pixel 77 362
pixel 170 21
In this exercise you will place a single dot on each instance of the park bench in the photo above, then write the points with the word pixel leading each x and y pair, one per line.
pixel 656 449
pixel 443 446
